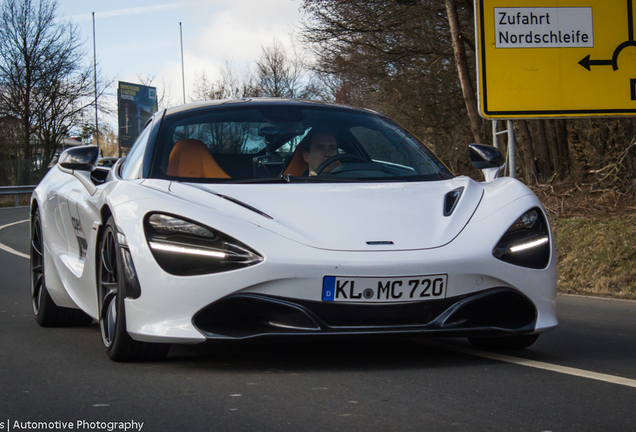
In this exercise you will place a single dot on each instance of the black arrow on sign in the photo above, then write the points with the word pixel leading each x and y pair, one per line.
pixel 586 62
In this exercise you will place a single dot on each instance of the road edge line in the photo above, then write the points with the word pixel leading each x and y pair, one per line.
pixel 613 379
pixel 9 249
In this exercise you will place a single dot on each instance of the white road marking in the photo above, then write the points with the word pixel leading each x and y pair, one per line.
pixel 13 223
pixel 613 379
pixel 11 250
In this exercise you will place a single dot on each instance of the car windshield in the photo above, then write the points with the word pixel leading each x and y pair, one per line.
pixel 270 143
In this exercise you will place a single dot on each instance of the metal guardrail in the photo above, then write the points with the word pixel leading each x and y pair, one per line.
pixel 17 191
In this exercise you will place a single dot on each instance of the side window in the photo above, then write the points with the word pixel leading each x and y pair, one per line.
pixel 131 167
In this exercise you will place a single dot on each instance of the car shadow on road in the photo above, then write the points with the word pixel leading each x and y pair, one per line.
pixel 327 355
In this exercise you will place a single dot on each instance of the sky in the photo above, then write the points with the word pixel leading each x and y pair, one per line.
pixel 141 37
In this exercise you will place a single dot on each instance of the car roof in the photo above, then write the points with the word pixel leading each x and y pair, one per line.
pixel 259 102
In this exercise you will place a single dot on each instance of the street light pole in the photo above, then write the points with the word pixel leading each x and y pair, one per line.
pixel 95 81
pixel 182 66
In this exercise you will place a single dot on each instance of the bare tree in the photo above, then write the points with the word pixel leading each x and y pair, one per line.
pixel 230 84
pixel 561 134
pixel 529 169
pixel 9 147
pixel 59 106
pixel 280 73
pixel 203 87
pixel 462 67
pixel 43 83
pixel 276 74
pixel 543 152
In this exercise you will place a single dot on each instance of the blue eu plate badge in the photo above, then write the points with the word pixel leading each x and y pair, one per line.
pixel 328 288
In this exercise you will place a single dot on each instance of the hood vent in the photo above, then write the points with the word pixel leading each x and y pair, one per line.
pixel 451 200
pixel 247 206
pixel 234 200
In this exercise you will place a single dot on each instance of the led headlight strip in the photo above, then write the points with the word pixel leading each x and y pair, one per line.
pixel 529 245
pixel 186 250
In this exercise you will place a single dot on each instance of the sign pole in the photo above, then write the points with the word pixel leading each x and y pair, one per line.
pixel 511 150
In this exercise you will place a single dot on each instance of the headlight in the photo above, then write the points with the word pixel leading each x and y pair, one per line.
pixel 527 241
pixel 166 224
pixel 182 247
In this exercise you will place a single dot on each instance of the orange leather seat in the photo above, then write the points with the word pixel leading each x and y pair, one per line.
pixel 191 158
pixel 297 166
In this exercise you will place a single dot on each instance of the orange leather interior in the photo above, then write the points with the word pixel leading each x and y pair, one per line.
pixel 191 158
pixel 297 166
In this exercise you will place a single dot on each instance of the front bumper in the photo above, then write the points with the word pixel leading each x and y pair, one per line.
pixel 496 311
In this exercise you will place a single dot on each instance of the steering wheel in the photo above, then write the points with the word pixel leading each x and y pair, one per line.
pixel 339 157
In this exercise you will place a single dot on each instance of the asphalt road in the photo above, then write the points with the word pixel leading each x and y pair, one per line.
pixel 580 377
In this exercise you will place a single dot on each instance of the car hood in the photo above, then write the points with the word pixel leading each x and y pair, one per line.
pixel 348 217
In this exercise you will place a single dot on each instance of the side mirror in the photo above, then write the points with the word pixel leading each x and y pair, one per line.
pixel 486 158
pixel 81 158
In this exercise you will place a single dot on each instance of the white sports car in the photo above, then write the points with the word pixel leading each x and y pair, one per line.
pixel 236 220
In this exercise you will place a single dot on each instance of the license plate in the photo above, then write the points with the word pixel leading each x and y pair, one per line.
pixel 384 289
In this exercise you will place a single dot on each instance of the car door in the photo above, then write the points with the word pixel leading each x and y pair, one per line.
pixel 80 217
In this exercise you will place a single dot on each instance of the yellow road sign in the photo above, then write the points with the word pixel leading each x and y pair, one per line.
pixel 556 58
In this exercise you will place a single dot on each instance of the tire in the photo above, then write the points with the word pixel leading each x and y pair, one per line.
pixel 46 312
pixel 504 343
pixel 119 345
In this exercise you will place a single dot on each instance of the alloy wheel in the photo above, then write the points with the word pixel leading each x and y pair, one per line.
pixel 108 289
pixel 37 266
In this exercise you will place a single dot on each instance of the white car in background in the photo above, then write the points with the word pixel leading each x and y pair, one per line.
pixel 211 229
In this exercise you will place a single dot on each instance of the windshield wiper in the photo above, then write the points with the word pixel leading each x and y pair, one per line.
pixel 285 178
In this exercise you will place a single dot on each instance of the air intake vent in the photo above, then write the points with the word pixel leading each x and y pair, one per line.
pixel 451 200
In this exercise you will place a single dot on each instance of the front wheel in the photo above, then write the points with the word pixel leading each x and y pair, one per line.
pixel 516 342
pixel 112 316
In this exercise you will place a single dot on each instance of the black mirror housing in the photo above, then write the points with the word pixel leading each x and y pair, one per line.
pixel 485 156
pixel 82 158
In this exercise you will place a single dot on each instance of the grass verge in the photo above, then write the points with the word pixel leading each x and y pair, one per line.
pixel 596 255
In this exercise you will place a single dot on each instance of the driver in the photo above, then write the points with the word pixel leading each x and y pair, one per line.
pixel 319 148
